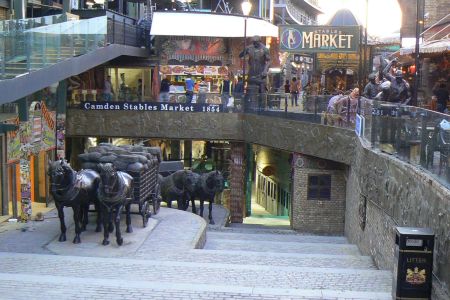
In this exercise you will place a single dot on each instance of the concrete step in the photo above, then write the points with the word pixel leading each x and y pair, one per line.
pixel 25 286
pixel 282 247
pixel 89 269
pixel 290 236
pixel 268 259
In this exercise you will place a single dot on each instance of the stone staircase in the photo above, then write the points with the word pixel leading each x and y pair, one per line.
pixel 232 265
pixel 235 263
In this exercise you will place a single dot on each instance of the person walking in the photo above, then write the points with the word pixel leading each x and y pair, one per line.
pixel 189 85
pixel 164 90
pixel 441 93
pixel 226 91
pixel 202 90
pixel 295 88
pixel 287 92
pixel 108 89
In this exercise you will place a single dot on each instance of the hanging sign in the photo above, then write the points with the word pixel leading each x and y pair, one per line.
pixel 315 39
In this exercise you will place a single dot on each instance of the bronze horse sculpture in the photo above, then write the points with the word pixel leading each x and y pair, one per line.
pixel 76 190
pixel 177 186
pixel 206 187
pixel 114 193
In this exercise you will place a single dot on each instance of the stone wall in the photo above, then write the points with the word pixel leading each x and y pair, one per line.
pixel 170 125
pixel 397 194
pixel 314 216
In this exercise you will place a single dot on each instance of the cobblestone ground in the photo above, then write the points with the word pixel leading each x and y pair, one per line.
pixel 235 263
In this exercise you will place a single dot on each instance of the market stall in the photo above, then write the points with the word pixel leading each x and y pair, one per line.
pixel 177 74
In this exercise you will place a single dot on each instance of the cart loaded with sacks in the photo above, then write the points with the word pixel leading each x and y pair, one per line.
pixel 141 163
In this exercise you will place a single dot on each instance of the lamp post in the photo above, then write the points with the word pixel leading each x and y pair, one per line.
pixel 246 7
pixel 419 23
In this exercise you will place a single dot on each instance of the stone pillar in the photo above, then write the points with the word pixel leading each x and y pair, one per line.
pixel 237 177
pixel 175 150
pixel 20 9
pixel 187 153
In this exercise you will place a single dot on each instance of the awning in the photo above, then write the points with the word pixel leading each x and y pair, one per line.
pixel 428 47
pixel 209 24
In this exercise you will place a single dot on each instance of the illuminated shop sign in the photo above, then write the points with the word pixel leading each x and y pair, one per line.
pixel 150 106
pixel 315 39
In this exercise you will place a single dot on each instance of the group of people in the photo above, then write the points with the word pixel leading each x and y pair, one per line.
pixel 228 89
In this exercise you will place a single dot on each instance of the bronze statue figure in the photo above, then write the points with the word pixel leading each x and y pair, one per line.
pixel 177 186
pixel 76 190
pixel 258 66
pixel 115 193
pixel 206 187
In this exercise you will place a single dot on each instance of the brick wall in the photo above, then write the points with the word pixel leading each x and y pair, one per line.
pixel 321 217
pixel 237 175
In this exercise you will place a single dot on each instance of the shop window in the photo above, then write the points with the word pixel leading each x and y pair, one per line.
pixel 319 187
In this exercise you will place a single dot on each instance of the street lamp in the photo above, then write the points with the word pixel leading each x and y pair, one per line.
pixel 246 7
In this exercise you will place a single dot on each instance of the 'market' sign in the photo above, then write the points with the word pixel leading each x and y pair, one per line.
pixel 300 38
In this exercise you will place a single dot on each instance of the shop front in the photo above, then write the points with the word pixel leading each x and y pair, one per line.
pixel 203 49
pixel 29 149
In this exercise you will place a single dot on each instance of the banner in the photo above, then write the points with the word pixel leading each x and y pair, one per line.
pixel 316 39
pixel 150 106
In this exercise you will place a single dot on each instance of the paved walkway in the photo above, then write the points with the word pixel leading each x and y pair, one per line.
pixel 179 256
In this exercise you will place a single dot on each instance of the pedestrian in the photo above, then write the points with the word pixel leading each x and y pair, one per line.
pixel 108 89
pixel 202 90
pixel 226 90
pixel 239 92
pixel 189 85
pixel 441 93
pixel 164 89
pixel 287 92
pixel 295 88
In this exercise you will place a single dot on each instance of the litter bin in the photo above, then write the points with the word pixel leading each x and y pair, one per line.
pixel 413 263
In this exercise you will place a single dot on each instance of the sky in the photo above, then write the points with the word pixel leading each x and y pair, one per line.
pixel 384 15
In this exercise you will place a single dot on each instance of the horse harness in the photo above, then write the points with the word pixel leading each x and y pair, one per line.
pixel 121 194
pixel 73 191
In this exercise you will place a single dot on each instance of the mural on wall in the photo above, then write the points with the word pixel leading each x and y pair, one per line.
pixel 48 128
pixel 60 136
pixel 13 143
pixel 25 134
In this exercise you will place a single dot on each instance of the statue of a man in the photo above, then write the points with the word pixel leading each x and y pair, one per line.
pixel 258 62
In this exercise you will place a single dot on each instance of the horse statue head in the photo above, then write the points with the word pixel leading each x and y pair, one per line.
pixel 108 177
pixel 185 180
pixel 60 173
pixel 215 181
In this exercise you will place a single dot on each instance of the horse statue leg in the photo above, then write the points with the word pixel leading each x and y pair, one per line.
pixel 107 214
pixel 99 217
pixel 128 215
pixel 84 219
pixel 76 218
pixel 119 238
pixel 202 202
pixel 60 208
pixel 194 209
pixel 211 221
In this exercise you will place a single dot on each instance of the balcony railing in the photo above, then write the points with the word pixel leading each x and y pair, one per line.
pixel 32 44
pixel 415 135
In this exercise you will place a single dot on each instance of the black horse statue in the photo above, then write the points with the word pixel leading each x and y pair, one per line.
pixel 114 193
pixel 177 186
pixel 76 190
pixel 206 188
